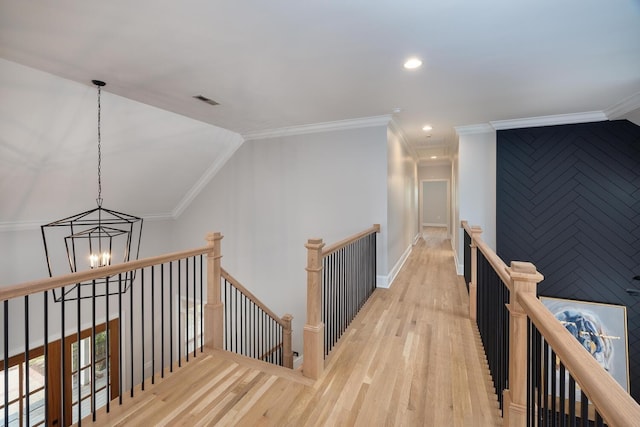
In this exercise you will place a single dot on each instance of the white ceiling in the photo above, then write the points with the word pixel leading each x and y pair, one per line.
pixel 274 64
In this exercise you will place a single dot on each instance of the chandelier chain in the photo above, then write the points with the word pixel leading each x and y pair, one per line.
pixel 99 199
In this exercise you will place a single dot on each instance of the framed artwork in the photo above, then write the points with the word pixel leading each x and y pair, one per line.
pixel 600 328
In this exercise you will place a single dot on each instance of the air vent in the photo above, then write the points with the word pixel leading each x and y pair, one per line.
pixel 205 99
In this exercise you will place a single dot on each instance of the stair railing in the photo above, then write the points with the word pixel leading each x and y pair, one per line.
pixel 542 373
pixel 340 279
pixel 92 351
pixel 251 328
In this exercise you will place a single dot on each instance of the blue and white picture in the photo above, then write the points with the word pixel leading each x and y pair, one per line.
pixel 600 328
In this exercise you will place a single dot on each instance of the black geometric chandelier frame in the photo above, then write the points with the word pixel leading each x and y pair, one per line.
pixel 92 239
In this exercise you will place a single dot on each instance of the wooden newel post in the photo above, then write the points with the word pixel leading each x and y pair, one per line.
pixel 313 347
pixel 213 309
pixel 287 351
pixel 524 279
pixel 473 284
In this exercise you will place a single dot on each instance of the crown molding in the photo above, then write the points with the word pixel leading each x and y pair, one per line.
pixel 395 128
pixel 471 129
pixel 8 226
pixel 21 225
pixel 319 127
pixel 557 119
pixel 623 107
pixel 219 162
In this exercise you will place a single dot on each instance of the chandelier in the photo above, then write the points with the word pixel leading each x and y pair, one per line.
pixel 90 240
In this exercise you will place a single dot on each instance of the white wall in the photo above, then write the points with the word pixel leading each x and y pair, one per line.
pixel 402 189
pixel 633 116
pixel 274 194
pixel 435 198
pixel 477 185
pixel 434 172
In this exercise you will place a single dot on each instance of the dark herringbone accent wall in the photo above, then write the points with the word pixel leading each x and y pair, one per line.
pixel 568 200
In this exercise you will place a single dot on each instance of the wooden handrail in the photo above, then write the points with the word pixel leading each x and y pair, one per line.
pixel 612 402
pixel 341 244
pixel 615 405
pixel 466 226
pixel 50 283
pixel 229 278
pixel 496 262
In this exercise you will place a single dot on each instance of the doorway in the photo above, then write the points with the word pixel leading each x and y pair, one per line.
pixel 435 203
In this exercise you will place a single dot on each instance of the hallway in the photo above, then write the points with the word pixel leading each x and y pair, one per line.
pixel 410 358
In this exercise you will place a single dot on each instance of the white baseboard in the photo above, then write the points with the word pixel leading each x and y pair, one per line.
pixel 415 239
pixel 459 267
pixel 386 281
pixel 297 361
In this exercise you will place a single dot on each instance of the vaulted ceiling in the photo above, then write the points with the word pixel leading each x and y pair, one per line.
pixel 278 64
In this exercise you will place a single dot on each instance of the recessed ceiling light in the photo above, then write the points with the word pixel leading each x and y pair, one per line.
pixel 426 128
pixel 434 157
pixel 412 63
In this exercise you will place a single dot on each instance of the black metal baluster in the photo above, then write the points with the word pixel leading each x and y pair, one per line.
pixel 264 334
pixel 252 310
pixel 6 362
pixel 120 334
pixel 202 304
pixel 243 337
pixel 108 347
pixel 79 364
pixel 162 320
pixel 227 310
pixel 153 325
pixel 93 347
pixel 554 388
pixel 530 376
pixel 238 320
pixel 46 358
pixel 572 402
pixel 171 344
pixel 142 313
pixel 179 314
pixel 545 380
pixel 131 337
pixel 27 361
pixel 599 420
pixel 562 410
pixel 186 308
pixel 195 330
pixel 584 409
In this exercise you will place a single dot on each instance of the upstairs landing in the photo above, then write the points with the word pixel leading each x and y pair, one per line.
pixel 411 357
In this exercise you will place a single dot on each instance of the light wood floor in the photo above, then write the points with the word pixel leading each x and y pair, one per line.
pixel 410 358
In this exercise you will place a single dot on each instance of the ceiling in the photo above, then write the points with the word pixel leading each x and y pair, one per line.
pixel 278 64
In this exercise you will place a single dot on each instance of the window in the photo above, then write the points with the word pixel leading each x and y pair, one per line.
pixel 78 360
pixel 18 373
pixel 191 320
pixel 79 383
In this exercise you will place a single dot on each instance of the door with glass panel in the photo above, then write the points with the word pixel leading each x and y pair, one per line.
pixel 85 386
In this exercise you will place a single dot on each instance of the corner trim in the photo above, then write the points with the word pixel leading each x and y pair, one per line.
pixel 557 119
pixel 319 127
pixel 623 107
pixel 193 192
